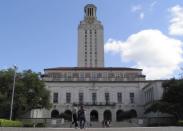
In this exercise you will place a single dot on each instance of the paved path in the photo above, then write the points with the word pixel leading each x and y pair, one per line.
pixel 97 129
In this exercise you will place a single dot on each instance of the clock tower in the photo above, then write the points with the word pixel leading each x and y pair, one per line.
pixel 90 39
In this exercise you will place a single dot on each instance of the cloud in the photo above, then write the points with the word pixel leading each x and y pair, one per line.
pixel 157 54
pixel 136 8
pixel 153 4
pixel 141 15
pixel 176 21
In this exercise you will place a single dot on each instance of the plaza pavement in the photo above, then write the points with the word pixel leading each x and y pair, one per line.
pixel 97 129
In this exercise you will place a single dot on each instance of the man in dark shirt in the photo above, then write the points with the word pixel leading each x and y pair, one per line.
pixel 75 118
pixel 81 117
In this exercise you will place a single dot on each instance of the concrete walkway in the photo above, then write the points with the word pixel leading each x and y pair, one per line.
pixel 97 129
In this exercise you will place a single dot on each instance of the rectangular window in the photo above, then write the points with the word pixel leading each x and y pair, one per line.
pixel 93 75
pixel 68 97
pixel 99 75
pixel 119 97
pixel 94 98
pixel 132 97
pixel 55 97
pixel 110 75
pixel 87 75
pixel 107 99
pixel 65 75
pixel 81 97
pixel 75 74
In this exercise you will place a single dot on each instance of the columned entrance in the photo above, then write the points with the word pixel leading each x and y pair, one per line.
pixel 68 115
pixel 119 115
pixel 93 115
pixel 54 114
pixel 107 115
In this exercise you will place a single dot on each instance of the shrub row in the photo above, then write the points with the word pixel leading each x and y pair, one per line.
pixel 30 124
pixel 10 123
pixel 180 123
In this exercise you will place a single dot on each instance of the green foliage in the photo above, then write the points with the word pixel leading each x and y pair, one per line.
pixel 171 101
pixel 126 115
pixel 40 125
pixel 28 123
pixel 180 123
pixel 30 93
pixel 10 123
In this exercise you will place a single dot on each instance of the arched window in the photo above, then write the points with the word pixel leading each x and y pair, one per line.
pixel 133 113
pixel 107 115
pixel 54 114
pixel 119 115
pixel 68 115
pixel 93 115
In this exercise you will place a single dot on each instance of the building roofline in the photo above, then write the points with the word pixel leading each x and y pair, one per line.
pixel 151 82
pixel 96 81
pixel 90 5
pixel 93 68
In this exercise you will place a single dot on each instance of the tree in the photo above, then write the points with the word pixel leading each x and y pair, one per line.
pixel 171 101
pixel 30 93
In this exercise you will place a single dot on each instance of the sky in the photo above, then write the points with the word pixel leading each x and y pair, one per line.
pixel 145 34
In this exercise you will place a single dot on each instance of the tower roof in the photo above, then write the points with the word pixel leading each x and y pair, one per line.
pixel 90 5
pixel 90 10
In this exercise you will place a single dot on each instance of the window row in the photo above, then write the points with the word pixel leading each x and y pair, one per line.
pixel 90 31
pixel 94 97
pixel 93 74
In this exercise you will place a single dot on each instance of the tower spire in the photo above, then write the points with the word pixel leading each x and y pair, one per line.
pixel 90 10
pixel 90 39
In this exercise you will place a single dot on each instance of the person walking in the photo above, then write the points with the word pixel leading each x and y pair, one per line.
pixel 81 117
pixel 75 118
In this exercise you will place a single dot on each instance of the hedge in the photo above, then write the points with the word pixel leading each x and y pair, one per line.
pixel 10 123
pixel 180 123
pixel 28 124
pixel 40 125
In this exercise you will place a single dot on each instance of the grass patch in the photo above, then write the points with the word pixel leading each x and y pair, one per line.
pixel 10 123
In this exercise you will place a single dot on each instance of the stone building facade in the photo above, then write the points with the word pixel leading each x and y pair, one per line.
pixel 104 92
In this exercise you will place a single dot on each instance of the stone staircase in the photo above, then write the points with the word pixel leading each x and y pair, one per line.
pixel 58 123
pixel 124 124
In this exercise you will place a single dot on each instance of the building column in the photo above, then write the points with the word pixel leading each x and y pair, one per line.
pixel 113 115
pixel 100 115
pixel 87 113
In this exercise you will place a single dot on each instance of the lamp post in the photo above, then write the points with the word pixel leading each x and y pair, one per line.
pixel 12 97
